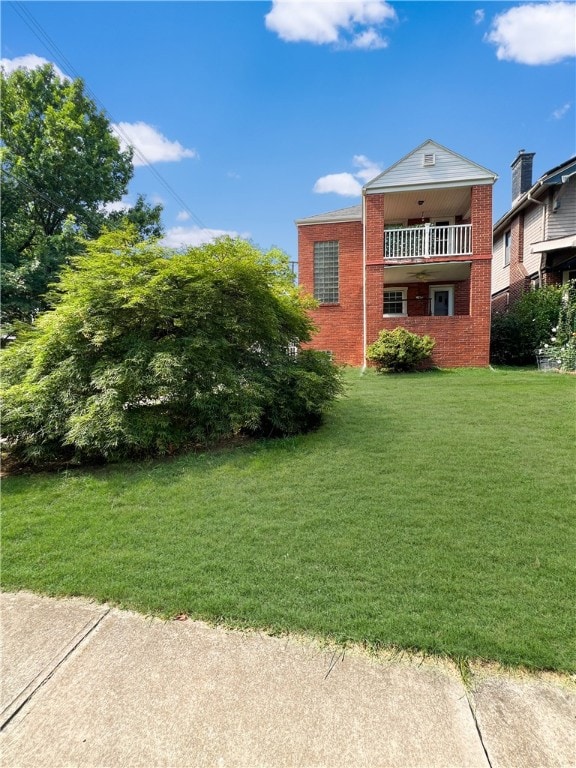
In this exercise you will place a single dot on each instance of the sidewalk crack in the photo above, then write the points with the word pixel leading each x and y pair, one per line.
pixel 13 707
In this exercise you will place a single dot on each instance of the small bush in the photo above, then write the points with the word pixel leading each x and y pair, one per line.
pixel 399 350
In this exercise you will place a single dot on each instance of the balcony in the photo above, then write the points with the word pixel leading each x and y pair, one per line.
pixel 427 240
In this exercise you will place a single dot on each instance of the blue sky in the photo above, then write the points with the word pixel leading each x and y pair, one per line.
pixel 253 114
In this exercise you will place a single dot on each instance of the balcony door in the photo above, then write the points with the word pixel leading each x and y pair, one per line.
pixel 440 238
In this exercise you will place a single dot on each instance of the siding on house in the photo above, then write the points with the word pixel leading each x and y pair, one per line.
pixel 500 273
pixel 542 222
pixel 563 221
pixel 449 168
pixel 534 223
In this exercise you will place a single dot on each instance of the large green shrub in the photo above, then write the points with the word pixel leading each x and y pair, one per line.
pixel 147 352
pixel 518 333
pixel 399 350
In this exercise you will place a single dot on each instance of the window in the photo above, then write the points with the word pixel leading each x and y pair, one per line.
pixel 507 238
pixel 326 272
pixel 395 302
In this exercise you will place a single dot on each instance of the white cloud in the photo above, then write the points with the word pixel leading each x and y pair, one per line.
pixel 369 40
pixel 29 61
pixel 559 113
pixel 179 237
pixel 479 16
pixel 339 183
pixel 540 33
pixel 182 216
pixel 348 184
pixel 116 206
pixel 368 170
pixel 349 23
pixel 149 144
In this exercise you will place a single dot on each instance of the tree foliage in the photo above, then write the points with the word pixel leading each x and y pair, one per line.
pixel 60 165
pixel 147 352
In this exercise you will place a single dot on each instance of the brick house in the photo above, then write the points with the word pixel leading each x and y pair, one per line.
pixel 535 241
pixel 415 253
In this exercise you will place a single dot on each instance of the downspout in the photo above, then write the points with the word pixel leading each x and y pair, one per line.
pixel 364 309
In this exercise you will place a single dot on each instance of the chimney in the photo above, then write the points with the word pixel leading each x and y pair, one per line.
pixel 521 174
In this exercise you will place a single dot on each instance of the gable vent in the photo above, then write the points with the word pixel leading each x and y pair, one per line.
pixel 429 160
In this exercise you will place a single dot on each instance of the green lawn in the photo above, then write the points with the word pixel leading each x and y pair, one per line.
pixel 432 511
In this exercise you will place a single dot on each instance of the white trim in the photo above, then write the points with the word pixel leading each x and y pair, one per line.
pixel 554 245
pixel 450 289
pixel 396 289
pixel 429 185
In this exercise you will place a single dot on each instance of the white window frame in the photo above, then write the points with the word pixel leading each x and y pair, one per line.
pixel 404 292
pixel 450 289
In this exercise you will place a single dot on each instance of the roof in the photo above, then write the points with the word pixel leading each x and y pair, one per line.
pixel 430 166
pixel 352 213
pixel 557 175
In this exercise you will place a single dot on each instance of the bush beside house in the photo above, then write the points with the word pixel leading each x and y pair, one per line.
pixel 399 350
pixel 526 327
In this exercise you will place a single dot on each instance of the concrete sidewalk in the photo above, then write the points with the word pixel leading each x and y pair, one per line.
pixel 86 685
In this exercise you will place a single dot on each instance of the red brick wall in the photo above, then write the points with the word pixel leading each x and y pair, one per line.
pixel 481 218
pixel 461 340
pixel 374 228
pixel 339 325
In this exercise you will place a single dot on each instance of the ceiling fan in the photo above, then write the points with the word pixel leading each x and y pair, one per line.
pixel 421 275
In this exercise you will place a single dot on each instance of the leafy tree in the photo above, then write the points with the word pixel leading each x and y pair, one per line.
pixel 60 163
pixel 147 352
pixel 144 217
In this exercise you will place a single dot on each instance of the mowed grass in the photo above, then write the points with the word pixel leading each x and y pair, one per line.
pixel 432 511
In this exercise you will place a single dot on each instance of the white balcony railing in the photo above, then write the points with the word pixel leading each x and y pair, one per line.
pixel 427 240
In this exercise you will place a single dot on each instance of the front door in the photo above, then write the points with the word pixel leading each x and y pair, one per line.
pixel 441 305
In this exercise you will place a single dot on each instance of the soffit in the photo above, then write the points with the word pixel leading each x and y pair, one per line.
pixel 437 203
pixel 426 272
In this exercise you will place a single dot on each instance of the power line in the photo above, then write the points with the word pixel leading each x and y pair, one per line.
pixel 66 65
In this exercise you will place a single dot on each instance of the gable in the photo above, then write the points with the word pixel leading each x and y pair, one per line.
pixel 430 166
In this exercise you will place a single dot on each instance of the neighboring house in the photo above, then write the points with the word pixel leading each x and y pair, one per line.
pixel 416 253
pixel 535 242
